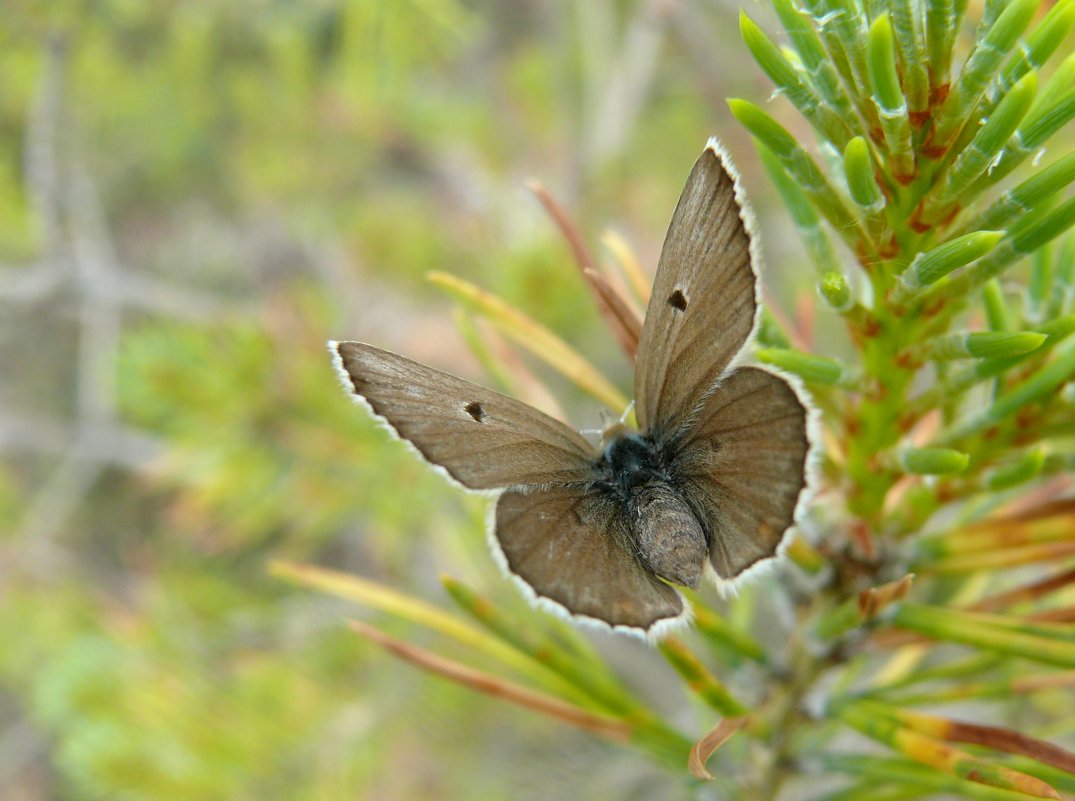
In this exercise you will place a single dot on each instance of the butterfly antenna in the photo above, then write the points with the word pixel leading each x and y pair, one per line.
pixel 598 432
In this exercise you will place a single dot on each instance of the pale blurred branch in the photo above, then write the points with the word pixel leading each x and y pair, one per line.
pixel 616 79
pixel 19 744
pixel 108 442
pixel 41 146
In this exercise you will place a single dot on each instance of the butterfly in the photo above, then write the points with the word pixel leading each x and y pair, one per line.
pixel 707 485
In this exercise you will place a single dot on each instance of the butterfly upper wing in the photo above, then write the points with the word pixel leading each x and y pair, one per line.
pixel 485 440
pixel 742 466
pixel 702 308
pixel 571 546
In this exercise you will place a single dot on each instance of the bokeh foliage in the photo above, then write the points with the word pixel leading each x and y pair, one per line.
pixel 263 178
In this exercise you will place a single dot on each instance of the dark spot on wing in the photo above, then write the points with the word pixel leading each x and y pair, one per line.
pixel 677 300
pixel 475 410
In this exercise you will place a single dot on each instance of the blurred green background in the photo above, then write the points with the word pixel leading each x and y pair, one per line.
pixel 194 196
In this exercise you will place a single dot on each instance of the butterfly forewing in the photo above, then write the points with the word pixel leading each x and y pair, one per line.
pixel 484 440
pixel 742 467
pixel 571 545
pixel 701 311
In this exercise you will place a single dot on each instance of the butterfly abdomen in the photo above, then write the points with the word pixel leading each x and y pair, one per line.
pixel 670 539
pixel 667 537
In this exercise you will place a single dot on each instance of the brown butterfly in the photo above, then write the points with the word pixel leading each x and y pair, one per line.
pixel 708 484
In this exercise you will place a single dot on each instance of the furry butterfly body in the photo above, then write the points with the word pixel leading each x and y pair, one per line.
pixel 709 483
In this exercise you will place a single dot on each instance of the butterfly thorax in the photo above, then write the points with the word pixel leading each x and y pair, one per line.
pixel 630 460
pixel 668 538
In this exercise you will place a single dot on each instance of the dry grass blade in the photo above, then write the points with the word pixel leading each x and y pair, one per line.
pixel 1028 592
pixel 710 742
pixel 922 738
pixel 563 221
pixel 1012 742
pixel 1064 506
pixel 496 686
pixel 995 737
pixel 896 638
pixel 617 311
pixel 1065 614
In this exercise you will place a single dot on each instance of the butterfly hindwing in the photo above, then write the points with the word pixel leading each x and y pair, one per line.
pixel 571 546
pixel 483 439
pixel 702 308
pixel 742 466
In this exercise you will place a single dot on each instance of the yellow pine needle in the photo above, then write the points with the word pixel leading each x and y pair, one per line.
pixel 718 630
pixel 1008 533
pixel 1049 643
pixel 698 677
pixel 535 338
pixel 627 262
pixel 1024 593
pixel 1031 684
pixel 1005 688
pixel 1040 624
pixel 901 664
pixel 805 555
pixel 932 752
pixel 494 356
pixel 479 344
pixel 393 602
pixel 524 384
pixel 996 737
pixel 1001 558
pixel 875 721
